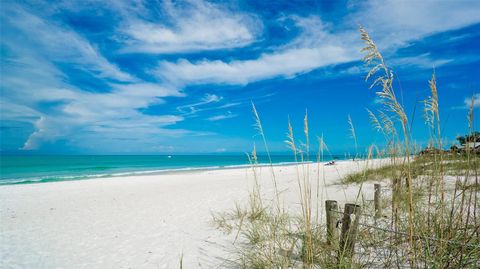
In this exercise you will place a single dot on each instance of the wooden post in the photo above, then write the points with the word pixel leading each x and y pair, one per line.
pixel 351 218
pixel 332 235
pixel 378 201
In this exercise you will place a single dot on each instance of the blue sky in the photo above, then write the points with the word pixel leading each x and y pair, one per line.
pixel 147 77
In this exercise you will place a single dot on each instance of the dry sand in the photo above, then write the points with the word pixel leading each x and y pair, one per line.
pixel 142 221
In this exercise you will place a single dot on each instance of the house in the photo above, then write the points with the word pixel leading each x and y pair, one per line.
pixel 471 146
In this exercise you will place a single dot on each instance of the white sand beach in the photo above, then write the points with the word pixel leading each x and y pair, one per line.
pixel 141 221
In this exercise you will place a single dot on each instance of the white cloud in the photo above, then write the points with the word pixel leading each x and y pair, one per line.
pixel 476 101
pixel 468 102
pixel 287 63
pixel 58 43
pixel 229 105
pixel 190 26
pixel 423 61
pixel 111 115
pixel 393 23
pixel 17 112
pixel 315 48
pixel 193 108
pixel 229 115
pixel 209 98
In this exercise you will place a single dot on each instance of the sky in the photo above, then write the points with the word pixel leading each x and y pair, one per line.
pixel 163 77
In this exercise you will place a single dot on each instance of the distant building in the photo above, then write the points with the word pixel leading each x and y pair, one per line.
pixel 473 146
pixel 429 150
pixel 455 149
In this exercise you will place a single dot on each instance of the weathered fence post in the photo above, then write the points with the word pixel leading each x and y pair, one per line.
pixel 350 220
pixel 378 201
pixel 331 206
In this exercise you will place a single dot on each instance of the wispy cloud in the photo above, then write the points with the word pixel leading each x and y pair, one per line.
pixel 287 64
pixel 227 105
pixel 476 101
pixel 190 26
pixel 395 23
pixel 56 42
pixel 229 115
pixel 467 102
pixel 114 115
pixel 423 61
pixel 193 107
pixel 17 112
pixel 315 48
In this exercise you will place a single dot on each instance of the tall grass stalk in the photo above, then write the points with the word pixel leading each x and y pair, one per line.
pixel 353 135
pixel 259 128
pixel 384 79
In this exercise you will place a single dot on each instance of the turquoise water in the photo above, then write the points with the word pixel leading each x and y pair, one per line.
pixel 47 168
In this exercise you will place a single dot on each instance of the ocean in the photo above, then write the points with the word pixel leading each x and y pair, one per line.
pixel 23 169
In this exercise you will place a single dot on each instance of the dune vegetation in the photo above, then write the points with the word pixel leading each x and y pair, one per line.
pixel 430 212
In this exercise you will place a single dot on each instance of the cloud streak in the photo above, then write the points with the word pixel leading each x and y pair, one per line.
pixel 395 23
pixel 190 26
pixel 193 108
pixel 57 43
pixel 229 115
pixel 476 101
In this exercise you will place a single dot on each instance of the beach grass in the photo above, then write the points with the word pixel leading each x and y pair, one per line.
pixel 430 210
pixel 453 165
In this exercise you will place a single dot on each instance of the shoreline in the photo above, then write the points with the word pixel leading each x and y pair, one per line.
pixel 167 171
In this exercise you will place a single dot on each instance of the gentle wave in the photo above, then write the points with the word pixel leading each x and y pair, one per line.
pixel 30 180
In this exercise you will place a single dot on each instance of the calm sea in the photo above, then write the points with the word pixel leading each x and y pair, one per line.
pixel 47 168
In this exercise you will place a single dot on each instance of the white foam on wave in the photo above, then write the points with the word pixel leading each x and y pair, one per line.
pixel 11 181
